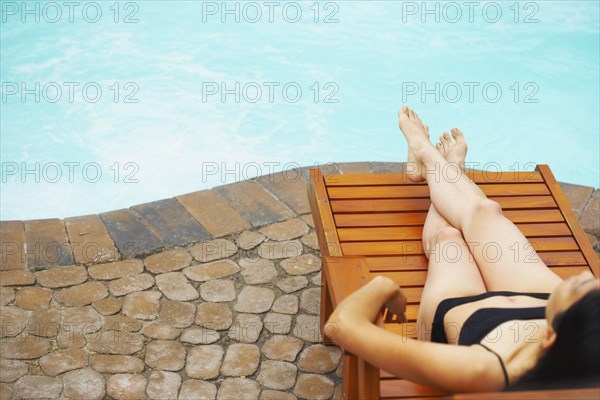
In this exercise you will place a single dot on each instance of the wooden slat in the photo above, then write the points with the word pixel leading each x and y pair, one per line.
pixel 477 176
pixel 411 247
pixel 405 191
pixel 400 388
pixel 386 205
pixel 420 262
pixel 321 211
pixel 416 232
pixel 569 216
pixel 418 218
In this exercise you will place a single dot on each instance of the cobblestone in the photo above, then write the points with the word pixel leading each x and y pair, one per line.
pixel 286 304
pixel 213 250
pixel 81 319
pixel 163 385
pixel 238 388
pixel 254 299
pixel 240 360
pixel 126 386
pixel 16 278
pixel 302 265
pixel 249 240
pixel 117 364
pixel 166 355
pixel 14 321
pixel 277 374
pixel 212 270
pixel 292 284
pixel 31 298
pixel 307 328
pixel 277 250
pixel 130 284
pixel 108 305
pixel 84 384
pixel 142 305
pixel 157 330
pixel 122 323
pixel 115 270
pixel 115 342
pixel 83 294
pixel 217 316
pixel 24 347
pixel 37 387
pixel 61 277
pixel 257 270
pixel 280 347
pixel 168 261
pixel 278 323
pixel 204 362
pixel 310 300
pixel 177 313
pixel 246 328
pixel 286 230
pixel 7 294
pixel 61 361
pixel 44 323
pixel 218 290
pixel 313 387
pixel 11 370
pixel 175 286
pixel 194 389
pixel 200 336
pixel 276 395
pixel 319 359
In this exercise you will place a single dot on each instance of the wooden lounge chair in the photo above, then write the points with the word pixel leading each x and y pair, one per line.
pixel 371 224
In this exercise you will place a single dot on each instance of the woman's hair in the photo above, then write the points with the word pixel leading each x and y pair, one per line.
pixel 573 361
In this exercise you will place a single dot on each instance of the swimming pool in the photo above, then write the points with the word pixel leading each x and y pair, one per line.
pixel 110 104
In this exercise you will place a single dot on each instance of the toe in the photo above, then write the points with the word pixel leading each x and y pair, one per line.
pixel 411 114
pixel 447 137
pixel 456 133
pixel 426 129
pixel 438 146
pixel 403 112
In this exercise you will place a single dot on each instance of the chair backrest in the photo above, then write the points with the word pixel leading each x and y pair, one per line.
pixel 381 217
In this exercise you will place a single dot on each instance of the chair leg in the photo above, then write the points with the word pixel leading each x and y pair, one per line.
pixel 368 381
pixel 350 379
pixel 326 309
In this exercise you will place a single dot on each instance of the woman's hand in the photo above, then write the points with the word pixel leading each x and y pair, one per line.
pixel 396 304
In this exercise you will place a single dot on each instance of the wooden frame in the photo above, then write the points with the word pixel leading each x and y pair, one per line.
pixel 362 220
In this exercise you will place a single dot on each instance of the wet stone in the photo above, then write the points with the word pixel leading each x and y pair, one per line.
pixel 238 388
pixel 24 347
pixel 204 362
pixel 249 240
pixel 61 361
pixel 277 250
pixel 246 328
pixel 218 290
pixel 277 374
pixel 177 313
pixel 276 395
pixel 126 386
pixel 81 319
pixel 175 286
pixel 254 299
pixel 167 355
pixel 286 304
pixel 217 316
pixel 13 321
pixel 199 336
pixel 142 305
pixel 310 240
pixel 130 284
pixel 212 270
pixel 116 270
pixel 44 323
pixel 240 360
pixel 257 270
pixel 302 265
pixel 292 284
pixel 310 300
pixel 193 389
pixel 157 330
pixel 168 261
pixel 307 328
pixel 11 370
pixel 117 364
pixel 61 277
pixel 82 295
pixel 84 384
pixel 37 387
pixel 313 387
pixel 285 230
pixel 163 385
pixel 284 348
pixel 278 323
pixel 319 359
pixel 213 250
pixel 108 305
pixel 116 342
pixel 16 278
pixel 121 323
pixel 31 298
pixel 7 294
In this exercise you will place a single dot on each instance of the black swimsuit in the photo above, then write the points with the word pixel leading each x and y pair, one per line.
pixel 483 321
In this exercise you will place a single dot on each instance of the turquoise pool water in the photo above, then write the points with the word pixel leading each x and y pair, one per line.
pixel 110 104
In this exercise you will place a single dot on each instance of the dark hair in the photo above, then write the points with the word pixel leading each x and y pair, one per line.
pixel 573 361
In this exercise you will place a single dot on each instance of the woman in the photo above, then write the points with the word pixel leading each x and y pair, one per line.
pixel 493 316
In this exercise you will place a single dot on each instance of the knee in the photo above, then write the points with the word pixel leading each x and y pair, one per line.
pixel 486 207
pixel 445 234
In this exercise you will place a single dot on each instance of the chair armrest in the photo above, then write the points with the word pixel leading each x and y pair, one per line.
pixel 344 275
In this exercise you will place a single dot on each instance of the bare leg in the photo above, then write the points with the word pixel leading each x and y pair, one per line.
pixel 503 254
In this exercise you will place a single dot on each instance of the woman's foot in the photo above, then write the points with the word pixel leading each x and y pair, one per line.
pixel 455 151
pixel 417 137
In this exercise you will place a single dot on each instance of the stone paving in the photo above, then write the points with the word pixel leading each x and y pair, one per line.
pixel 209 295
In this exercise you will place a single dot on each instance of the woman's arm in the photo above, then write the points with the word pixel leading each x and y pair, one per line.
pixel 448 367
